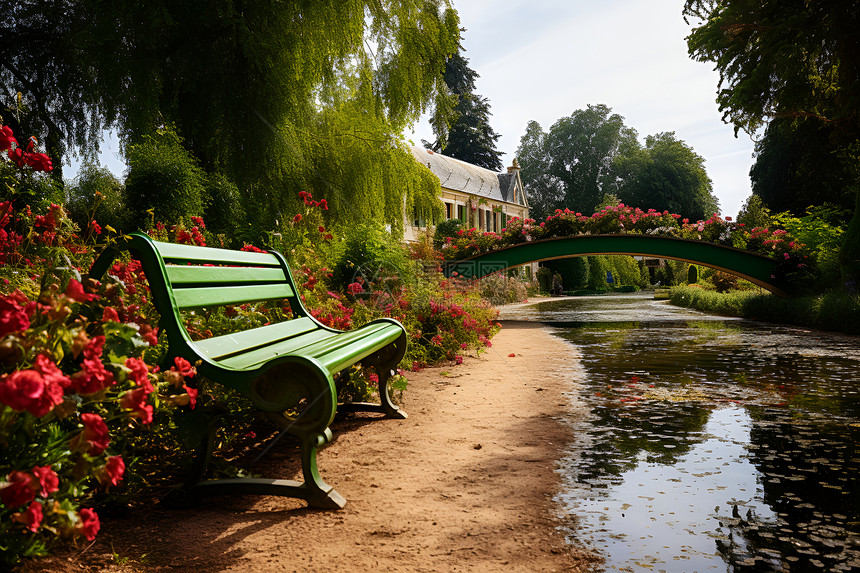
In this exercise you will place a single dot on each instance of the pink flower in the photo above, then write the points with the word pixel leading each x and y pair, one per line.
pixel 94 438
pixel 137 400
pixel 89 524
pixel 458 359
pixel 354 288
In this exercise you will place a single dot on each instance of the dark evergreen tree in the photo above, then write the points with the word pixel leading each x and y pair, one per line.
pixel 470 137
pixel 785 60
pixel 797 166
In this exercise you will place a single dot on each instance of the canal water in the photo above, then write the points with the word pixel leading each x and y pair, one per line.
pixel 709 444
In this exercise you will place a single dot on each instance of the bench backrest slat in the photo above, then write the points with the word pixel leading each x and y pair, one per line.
pixel 175 253
pixel 240 342
pixel 186 274
pixel 223 295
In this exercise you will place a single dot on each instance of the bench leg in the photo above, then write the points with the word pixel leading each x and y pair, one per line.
pixel 385 406
pixel 314 490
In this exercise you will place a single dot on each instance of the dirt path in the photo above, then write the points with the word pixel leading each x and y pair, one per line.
pixel 464 484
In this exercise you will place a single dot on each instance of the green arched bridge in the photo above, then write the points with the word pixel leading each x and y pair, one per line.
pixel 757 269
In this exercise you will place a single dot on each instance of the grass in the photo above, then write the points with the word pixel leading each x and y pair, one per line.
pixel 838 312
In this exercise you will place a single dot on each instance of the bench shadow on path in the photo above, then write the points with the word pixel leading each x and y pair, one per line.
pixel 208 537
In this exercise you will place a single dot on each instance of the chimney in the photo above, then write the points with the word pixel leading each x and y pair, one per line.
pixel 515 166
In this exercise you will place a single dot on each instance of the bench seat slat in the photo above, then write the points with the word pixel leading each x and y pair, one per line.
pixel 184 274
pixel 343 357
pixel 318 345
pixel 263 354
pixel 172 252
pixel 240 342
pixel 217 296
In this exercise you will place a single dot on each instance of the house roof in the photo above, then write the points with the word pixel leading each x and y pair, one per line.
pixel 457 175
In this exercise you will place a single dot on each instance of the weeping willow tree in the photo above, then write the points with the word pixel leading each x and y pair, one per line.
pixel 276 95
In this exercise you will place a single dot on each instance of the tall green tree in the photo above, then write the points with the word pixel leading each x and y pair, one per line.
pixel 571 165
pixel 246 84
pixel 469 137
pixel 665 175
pixel 796 166
pixel 788 59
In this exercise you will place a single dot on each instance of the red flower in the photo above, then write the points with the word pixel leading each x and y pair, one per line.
pixel 183 367
pixel 112 472
pixel 354 288
pixel 31 517
pixel 192 396
pixel 38 161
pixel 137 400
pixel 13 318
pixel 89 524
pixel 297 218
pixel 75 291
pixel 139 373
pixel 28 390
pixel 96 228
pixel 48 480
pixel 149 334
pixel 7 139
pixel 94 438
pixel 110 315
pixel 323 204
pixel 93 377
pixel 512 355
pixel 21 489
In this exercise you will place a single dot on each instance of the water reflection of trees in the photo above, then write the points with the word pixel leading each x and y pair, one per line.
pixel 809 471
pixel 620 434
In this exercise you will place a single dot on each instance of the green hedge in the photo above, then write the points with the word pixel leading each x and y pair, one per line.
pixel 832 311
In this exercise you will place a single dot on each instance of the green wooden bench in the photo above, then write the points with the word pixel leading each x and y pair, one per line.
pixel 289 366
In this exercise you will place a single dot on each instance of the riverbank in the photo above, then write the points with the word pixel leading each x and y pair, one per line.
pixel 836 312
pixel 466 483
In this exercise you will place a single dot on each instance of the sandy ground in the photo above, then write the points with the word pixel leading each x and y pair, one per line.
pixel 466 483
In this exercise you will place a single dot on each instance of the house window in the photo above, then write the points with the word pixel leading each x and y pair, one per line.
pixel 461 212
pixel 417 220
pixel 448 210
pixel 480 218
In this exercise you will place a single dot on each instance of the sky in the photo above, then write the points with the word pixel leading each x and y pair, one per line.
pixel 544 59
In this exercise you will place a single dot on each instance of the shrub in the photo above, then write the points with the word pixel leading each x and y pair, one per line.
pixel 446 229
pixel 96 195
pixel 693 274
pixel 164 182
pixel 500 289
pixel 724 282
pixel 225 214
pixel 544 278
pixel 371 257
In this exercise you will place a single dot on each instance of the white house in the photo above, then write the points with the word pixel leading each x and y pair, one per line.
pixel 481 198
